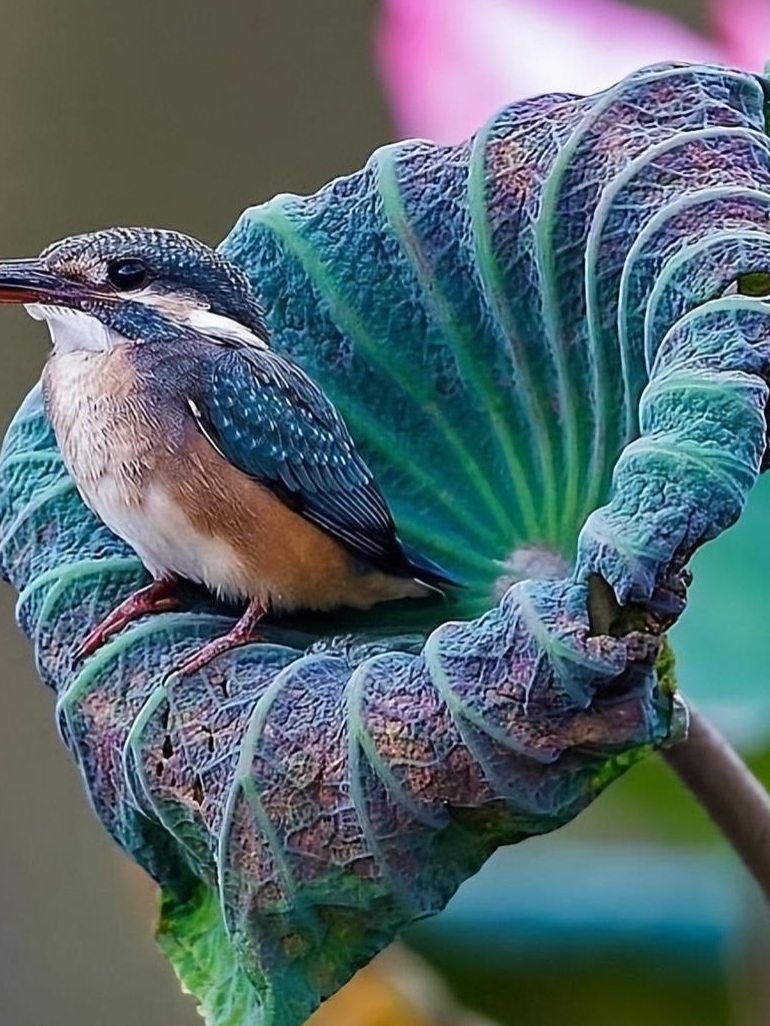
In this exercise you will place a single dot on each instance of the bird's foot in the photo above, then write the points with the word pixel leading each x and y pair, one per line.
pixel 243 633
pixel 158 597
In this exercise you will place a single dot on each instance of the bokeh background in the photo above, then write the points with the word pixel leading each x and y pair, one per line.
pixel 181 113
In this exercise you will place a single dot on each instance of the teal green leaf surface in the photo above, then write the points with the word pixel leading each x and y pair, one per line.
pixel 533 339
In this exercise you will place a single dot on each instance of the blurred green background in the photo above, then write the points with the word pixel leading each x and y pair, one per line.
pixel 181 113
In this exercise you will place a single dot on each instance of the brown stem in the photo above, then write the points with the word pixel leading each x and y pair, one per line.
pixel 728 790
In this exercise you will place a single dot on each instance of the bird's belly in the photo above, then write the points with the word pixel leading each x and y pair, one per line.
pixel 166 540
pixel 266 552
pixel 263 552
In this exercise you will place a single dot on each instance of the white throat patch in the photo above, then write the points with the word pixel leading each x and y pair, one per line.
pixel 74 331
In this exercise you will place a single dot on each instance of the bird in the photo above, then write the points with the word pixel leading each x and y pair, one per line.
pixel 216 458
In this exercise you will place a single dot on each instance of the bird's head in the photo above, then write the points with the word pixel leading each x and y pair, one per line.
pixel 135 284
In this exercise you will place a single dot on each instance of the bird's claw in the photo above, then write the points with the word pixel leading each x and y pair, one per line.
pixel 210 651
pixel 90 644
pixel 243 633
pixel 158 597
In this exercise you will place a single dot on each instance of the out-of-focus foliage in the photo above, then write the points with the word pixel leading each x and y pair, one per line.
pixel 397 989
pixel 448 65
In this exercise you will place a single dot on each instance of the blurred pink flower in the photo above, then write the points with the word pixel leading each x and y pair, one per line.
pixel 448 64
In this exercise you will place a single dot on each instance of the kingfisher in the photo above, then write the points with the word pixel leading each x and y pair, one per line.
pixel 214 457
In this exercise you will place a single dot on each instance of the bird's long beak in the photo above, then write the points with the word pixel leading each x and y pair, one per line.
pixel 30 281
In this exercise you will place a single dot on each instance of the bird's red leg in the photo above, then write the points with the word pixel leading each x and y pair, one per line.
pixel 158 597
pixel 243 632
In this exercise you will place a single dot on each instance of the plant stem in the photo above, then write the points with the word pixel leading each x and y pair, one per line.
pixel 728 790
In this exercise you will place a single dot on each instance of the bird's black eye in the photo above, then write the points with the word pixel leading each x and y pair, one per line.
pixel 127 274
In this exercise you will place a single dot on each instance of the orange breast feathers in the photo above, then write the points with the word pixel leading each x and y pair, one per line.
pixel 278 555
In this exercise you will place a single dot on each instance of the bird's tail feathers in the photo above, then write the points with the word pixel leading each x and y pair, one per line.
pixel 427 572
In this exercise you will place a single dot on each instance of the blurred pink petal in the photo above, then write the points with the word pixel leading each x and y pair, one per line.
pixel 449 64
pixel 743 26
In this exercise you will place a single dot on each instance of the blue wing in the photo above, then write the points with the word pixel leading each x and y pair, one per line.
pixel 271 421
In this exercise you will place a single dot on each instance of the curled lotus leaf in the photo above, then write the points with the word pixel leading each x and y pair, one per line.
pixel 535 341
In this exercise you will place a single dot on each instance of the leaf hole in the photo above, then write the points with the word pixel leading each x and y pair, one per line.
pixel 198 793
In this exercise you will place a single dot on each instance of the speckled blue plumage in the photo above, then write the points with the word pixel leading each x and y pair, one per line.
pixel 272 422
